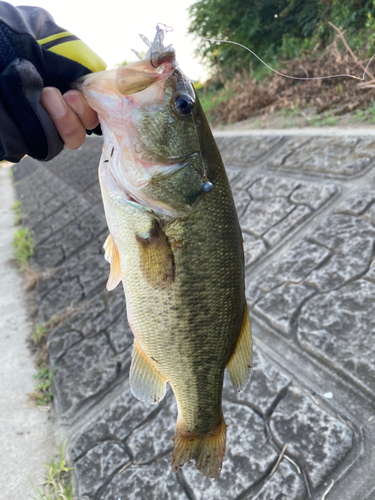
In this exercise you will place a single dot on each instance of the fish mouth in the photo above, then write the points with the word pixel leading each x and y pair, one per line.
pixel 160 62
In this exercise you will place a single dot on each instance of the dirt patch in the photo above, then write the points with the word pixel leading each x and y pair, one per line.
pixel 304 100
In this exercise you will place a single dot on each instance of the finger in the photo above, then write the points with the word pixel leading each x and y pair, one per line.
pixel 77 103
pixel 67 124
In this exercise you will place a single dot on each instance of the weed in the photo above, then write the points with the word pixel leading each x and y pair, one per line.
pixel 329 121
pixel 43 394
pixel 323 121
pixel 211 98
pixel 359 116
pixel 31 278
pixel 365 115
pixel 58 484
pixel 291 111
pixel 38 337
pixel 23 244
pixel 39 332
pixel 370 114
pixel 16 207
pixel 290 123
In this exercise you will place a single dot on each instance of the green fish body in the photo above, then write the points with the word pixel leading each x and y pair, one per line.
pixel 176 247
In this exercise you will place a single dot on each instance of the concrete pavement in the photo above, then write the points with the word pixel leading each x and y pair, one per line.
pixel 27 435
pixel 305 427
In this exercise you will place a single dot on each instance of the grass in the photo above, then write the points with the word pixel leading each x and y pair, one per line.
pixel 58 484
pixel 291 123
pixel 365 115
pixel 291 111
pixel 323 121
pixel 16 207
pixel 211 99
pixel 43 394
pixel 39 332
pixel 23 244
pixel 257 123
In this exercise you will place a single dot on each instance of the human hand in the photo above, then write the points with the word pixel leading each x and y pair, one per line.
pixel 70 114
pixel 41 54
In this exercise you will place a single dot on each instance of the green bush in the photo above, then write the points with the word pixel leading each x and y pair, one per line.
pixel 276 28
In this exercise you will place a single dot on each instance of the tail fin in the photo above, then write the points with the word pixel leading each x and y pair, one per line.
pixel 207 450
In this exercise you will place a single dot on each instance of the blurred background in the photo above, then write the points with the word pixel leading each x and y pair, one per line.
pixel 303 38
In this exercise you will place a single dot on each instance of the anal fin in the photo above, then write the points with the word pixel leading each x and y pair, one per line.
pixel 238 366
pixel 145 382
pixel 112 256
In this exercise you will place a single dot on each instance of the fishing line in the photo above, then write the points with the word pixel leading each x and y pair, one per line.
pixel 164 27
pixel 207 186
pixel 289 76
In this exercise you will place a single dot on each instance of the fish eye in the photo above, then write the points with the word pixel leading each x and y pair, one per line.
pixel 183 104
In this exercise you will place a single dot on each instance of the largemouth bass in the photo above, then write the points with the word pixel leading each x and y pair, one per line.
pixel 176 245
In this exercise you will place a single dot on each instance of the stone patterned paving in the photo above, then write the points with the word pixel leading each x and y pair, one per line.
pixel 307 421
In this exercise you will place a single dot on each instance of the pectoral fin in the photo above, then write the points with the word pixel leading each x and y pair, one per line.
pixel 145 382
pixel 112 256
pixel 238 366
pixel 156 258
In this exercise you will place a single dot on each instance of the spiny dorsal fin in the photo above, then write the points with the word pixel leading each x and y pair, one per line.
pixel 145 382
pixel 112 256
pixel 157 258
pixel 238 366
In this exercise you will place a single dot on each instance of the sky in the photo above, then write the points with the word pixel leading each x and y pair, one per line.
pixel 112 27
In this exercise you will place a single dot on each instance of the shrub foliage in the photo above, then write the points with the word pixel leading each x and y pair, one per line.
pixel 276 28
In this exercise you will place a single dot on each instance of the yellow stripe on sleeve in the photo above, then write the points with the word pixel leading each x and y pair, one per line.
pixel 54 37
pixel 78 51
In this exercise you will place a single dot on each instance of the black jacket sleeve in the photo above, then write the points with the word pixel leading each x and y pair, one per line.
pixel 35 53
